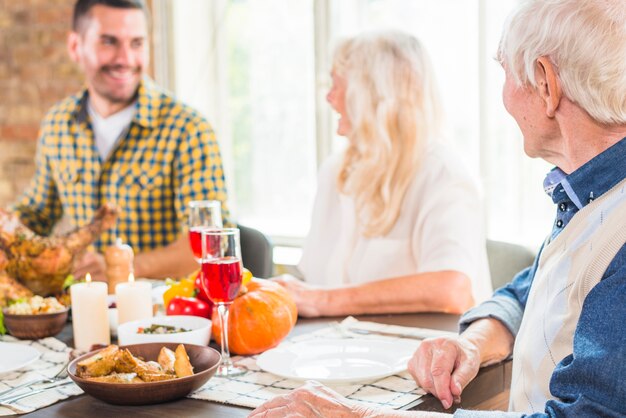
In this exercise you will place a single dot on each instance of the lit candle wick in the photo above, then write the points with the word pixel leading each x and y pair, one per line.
pixel 131 278
pixel 88 278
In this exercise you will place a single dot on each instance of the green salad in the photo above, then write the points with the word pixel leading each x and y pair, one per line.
pixel 160 329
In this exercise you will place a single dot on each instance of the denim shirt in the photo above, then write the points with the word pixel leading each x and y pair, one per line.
pixel 592 380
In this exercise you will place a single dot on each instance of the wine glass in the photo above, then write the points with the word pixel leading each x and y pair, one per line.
pixel 221 280
pixel 203 214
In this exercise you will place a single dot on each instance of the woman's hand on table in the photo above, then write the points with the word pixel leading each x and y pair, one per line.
pixel 309 300
pixel 316 400
pixel 444 366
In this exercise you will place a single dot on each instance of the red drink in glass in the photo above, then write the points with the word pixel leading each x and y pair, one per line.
pixel 195 239
pixel 221 281
pixel 221 278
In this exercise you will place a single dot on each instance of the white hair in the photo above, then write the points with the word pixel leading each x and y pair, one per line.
pixel 393 107
pixel 584 39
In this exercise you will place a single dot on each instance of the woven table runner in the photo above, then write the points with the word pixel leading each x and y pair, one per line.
pixel 54 357
pixel 257 386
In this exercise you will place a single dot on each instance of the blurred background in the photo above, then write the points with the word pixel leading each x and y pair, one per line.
pixel 259 71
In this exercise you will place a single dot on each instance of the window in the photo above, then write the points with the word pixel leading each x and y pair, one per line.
pixel 258 69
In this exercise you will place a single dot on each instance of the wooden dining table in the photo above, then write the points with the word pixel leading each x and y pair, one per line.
pixel 488 391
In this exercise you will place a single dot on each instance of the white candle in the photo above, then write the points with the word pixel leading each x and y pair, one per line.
pixel 134 300
pixel 90 317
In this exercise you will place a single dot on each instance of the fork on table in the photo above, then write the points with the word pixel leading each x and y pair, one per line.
pixel 61 375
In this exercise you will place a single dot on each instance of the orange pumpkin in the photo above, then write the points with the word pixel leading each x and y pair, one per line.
pixel 260 317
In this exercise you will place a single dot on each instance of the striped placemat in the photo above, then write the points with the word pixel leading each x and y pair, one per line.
pixel 257 386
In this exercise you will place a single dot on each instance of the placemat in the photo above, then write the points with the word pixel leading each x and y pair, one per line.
pixel 54 356
pixel 257 386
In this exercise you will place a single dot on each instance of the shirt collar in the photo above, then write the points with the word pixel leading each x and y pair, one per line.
pixel 591 180
pixel 148 104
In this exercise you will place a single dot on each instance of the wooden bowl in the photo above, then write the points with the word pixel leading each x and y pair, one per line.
pixel 34 327
pixel 204 360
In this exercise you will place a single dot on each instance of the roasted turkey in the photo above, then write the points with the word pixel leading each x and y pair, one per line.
pixel 11 289
pixel 43 263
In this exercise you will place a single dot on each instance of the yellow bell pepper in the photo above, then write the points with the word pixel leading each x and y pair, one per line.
pixel 184 288
pixel 246 276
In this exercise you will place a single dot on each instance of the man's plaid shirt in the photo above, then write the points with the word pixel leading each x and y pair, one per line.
pixel 168 157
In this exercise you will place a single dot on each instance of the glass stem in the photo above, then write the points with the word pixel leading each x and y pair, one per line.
pixel 222 310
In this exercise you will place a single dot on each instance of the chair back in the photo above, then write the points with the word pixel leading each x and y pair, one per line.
pixel 256 252
pixel 506 260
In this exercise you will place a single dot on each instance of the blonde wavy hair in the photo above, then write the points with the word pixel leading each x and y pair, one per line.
pixel 393 107
pixel 584 39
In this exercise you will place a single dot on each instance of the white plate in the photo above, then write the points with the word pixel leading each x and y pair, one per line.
pixel 16 356
pixel 347 360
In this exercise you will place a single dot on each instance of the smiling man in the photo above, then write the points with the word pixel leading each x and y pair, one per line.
pixel 122 140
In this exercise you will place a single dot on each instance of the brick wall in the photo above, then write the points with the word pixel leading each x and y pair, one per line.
pixel 35 72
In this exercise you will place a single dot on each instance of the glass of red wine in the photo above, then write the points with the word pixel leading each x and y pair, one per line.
pixel 203 214
pixel 221 280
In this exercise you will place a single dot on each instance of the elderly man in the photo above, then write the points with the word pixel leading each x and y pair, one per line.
pixel 125 141
pixel 563 319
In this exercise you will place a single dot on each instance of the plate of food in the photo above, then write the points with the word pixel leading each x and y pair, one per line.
pixel 143 374
pixel 338 360
pixel 15 356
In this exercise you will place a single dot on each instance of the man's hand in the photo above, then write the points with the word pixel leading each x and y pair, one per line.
pixel 311 400
pixel 444 366
pixel 309 300
pixel 92 263
pixel 316 400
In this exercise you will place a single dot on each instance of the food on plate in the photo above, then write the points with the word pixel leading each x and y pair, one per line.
pixel 35 305
pixel 182 365
pixel 115 365
pixel 180 305
pixel 100 364
pixel 160 329
pixel 260 317
pixel 118 378
pixel 43 263
pixel 166 359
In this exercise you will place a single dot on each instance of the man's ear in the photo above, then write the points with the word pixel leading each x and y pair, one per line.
pixel 73 46
pixel 548 85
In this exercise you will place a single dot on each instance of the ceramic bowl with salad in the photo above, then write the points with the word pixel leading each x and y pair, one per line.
pixel 174 329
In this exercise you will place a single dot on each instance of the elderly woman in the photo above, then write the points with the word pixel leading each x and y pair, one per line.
pixel 562 319
pixel 397 222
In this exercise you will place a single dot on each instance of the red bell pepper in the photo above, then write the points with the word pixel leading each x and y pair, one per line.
pixel 180 305
pixel 200 292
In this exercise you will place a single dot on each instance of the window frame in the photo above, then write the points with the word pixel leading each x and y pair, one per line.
pixel 212 97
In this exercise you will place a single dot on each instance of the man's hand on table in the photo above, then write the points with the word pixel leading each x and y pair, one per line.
pixel 316 400
pixel 444 366
pixel 92 263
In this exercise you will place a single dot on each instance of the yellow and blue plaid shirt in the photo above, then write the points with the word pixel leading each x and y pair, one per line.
pixel 168 157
